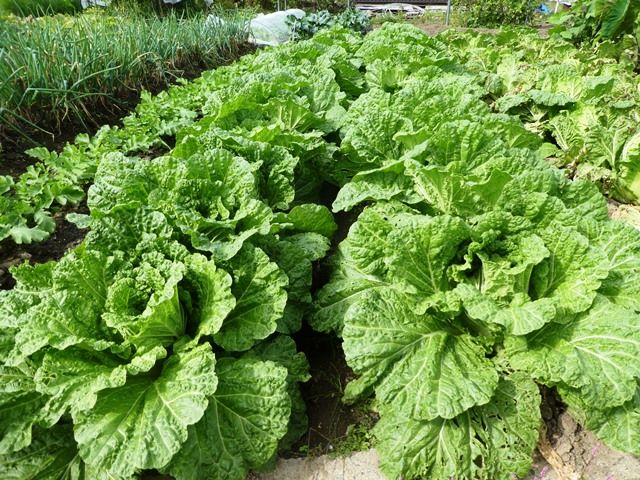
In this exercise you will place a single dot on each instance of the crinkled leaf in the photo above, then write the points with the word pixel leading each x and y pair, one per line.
pixel 621 244
pixel 144 423
pixel 240 430
pixel 282 351
pixel 213 199
pixel 259 287
pixel 143 303
pixel 52 456
pixel 294 255
pixel 23 233
pixel 518 319
pixel 488 442
pixel 421 251
pixel 594 352
pixel 452 193
pixel 574 271
pixel 618 427
pixel 31 282
pixel 359 266
pixel 369 128
pixel 276 163
pixel 412 360
pixel 388 182
pixel 210 297
pixel 627 187
pixel 72 378
pixel 308 218
pixel 20 407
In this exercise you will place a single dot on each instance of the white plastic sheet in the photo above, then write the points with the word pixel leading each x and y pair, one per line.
pixel 272 29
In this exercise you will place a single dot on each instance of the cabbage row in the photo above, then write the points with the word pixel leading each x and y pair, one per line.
pixel 584 100
pixel 475 272
pixel 162 341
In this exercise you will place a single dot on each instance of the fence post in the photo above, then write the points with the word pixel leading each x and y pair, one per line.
pixel 446 21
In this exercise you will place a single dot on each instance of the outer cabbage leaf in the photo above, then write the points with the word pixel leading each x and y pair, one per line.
pixel 294 255
pixel 282 351
pixel 415 364
pixel 421 251
pixel 72 378
pixel 618 427
pixel 573 272
pixel 465 143
pixel 30 280
pixel 127 228
pixel 456 194
pixel 143 424
pixel 240 430
pixel 518 319
pixel 359 266
pixel 584 199
pixel 259 287
pixel 51 456
pixel 594 353
pixel 20 407
pixel 68 311
pixel 627 186
pixel 621 244
pixel 488 442
pixel 335 298
pixel 403 44
pixel 308 218
pixel 386 183
pixel 368 131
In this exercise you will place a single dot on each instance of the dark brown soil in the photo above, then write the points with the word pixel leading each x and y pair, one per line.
pixel 13 163
pixel 328 416
pixel 65 236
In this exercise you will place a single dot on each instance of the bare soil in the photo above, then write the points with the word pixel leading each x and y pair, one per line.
pixel 65 236
pixel 572 453
pixel 329 418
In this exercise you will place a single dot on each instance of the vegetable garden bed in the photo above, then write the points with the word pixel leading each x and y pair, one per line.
pixel 467 272
pixel 65 71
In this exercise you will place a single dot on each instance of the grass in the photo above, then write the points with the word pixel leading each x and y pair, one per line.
pixel 436 20
pixel 36 8
pixel 429 17
pixel 60 69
